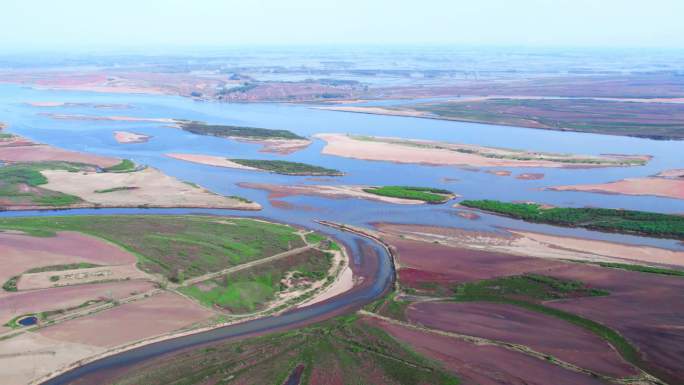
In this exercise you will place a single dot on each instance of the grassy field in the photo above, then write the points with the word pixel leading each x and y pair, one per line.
pixel 642 269
pixel 339 351
pixel 287 168
pixel 532 287
pixel 251 289
pixel 20 185
pixel 425 194
pixel 228 131
pixel 646 120
pixel 610 220
pixel 125 166
pixel 174 245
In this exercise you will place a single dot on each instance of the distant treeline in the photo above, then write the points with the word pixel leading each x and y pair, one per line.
pixel 611 220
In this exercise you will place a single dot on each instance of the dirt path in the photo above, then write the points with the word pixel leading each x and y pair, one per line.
pixel 243 266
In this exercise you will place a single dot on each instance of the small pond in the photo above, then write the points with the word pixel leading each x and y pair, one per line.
pixel 28 321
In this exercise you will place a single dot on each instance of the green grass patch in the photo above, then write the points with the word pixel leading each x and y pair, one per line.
pixel 425 194
pixel 126 165
pixel 610 220
pixel 11 284
pixel 64 267
pixel 115 189
pixel 534 287
pixel 20 184
pixel 315 238
pixel 642 269
pixel 228 131
pixel 193 244
pixel 251 289
pixel 287 168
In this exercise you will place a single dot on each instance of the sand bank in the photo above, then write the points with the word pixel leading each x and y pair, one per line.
pixel 526 243
pixel 130 137
pixel 450 154
pixel 210 160
pixel 151 188
pixel 335 192
pixel 19 149
pixel 668 184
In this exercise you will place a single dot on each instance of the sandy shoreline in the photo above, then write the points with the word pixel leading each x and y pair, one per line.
pixel 326 191
pixel 210 160
pixel 667 184
pixel 538 245
pixel 400 150
pixel 130 137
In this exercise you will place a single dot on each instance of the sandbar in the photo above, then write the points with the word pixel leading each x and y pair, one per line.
pixel 668 184
pixel 130 137
pixel 400 150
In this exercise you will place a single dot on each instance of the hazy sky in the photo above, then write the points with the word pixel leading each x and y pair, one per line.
pixel 54 23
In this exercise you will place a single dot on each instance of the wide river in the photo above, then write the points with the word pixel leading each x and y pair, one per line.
pixel 97 137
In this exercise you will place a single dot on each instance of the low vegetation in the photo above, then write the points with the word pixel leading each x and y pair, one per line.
pixel 343 350
pixel 610 220
pixel 20 185
pixel 193 245
pixel 642 269
pixel 126 165
pixel 115 189
pixel 251 289
pixel 533 287
pixel 228 131
pixel 530 290
pixel 288 168
pixel 425 194
pixel 11 284
pixel 646 120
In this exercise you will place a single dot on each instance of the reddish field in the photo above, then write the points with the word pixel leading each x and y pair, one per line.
pixel 33 301
pixel 449 264
pixel 19 252
pixel 129 322
pixel 647 309
pixel 486 364
pixel 25 152
pixel 509 323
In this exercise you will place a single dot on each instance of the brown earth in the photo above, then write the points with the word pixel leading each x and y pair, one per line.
pixel 483 364
pixel 34 301
pixel 512 324
pixel 24 150
pixel 130 322
pixel 656 186
pixel 20 252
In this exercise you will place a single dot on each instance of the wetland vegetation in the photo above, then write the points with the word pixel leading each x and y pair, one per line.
pixel 229 131
pixel 610 220
pixel 287 168
pixel 425 194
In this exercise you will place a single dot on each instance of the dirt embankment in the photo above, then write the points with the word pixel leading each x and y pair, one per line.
pixel 450 154
pixel 668 184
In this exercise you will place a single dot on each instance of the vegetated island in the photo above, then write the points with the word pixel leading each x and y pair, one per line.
pixel 601 219
pixel 275 166
pixel 415 151
pixel 272 140
pixel 277 141
pixel 38 176
pixel 403 195
pixel 653 120
pixel 668 184
pixel 423 194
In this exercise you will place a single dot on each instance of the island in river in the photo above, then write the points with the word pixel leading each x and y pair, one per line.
pixel 446 154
